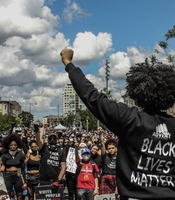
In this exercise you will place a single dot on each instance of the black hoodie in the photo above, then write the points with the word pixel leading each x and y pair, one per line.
pixel 146 149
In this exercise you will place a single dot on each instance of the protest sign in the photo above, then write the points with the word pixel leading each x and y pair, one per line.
pixel 47 192
pixel 71 165
pixel 105 197
pixel 3 191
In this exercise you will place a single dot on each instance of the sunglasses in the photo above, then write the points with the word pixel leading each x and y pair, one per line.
pixel 52 138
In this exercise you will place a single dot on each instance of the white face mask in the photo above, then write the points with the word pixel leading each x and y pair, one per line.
pixel 86 157
pixel 12 153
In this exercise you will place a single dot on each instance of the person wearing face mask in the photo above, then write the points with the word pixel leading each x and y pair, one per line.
pixel 87 175
pixel 60 143
pixel 33 163
pixel 53 159
pixel 13 165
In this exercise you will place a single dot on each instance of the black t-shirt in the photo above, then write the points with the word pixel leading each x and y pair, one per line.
pixel 97 159
pixel 50 164
pixel 108 165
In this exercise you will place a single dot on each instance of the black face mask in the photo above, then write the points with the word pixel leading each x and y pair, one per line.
pixel 34 151
pixel 52 142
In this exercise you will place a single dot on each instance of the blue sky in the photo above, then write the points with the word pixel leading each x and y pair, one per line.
pixel 138 23
pixel 34 32
pixel 132 23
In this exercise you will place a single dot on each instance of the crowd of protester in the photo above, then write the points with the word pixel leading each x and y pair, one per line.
pixel 39 156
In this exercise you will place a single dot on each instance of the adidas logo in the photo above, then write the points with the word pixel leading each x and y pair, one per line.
pixel 162 132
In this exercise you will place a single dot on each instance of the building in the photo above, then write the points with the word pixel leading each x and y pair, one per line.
pixel 71 103
pixel 12 108
pixel 127 100
pixel 130 103
pixel 51 120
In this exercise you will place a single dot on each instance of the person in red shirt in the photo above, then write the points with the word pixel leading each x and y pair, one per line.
pixel 87 177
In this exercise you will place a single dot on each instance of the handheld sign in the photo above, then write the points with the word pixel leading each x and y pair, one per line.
pixel 71 165
pixel 105 197
pixel 47 192
pixel 3 191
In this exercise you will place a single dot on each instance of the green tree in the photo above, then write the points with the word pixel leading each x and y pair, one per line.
pixel 68 120
pixel 108 93
pixel 164 45
pixel 26 118
pixel 6 122
pixel 92 120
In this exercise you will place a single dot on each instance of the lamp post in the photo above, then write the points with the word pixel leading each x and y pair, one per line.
pixel 98 123
pixel 58 115
pixel 9 111
pixel 32 104
pixel 87 125
pixel 1 87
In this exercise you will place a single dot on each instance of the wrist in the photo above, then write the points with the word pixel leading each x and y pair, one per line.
pixel 66 62
pixel 59 180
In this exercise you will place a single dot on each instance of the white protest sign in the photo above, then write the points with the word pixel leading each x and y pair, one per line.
pixel 70 161
pixel 3 190
pixel 105 197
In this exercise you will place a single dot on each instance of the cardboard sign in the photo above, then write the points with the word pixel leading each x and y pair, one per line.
pixel 71 165
pixel 3 191
pixel 105 197
pixel 47 192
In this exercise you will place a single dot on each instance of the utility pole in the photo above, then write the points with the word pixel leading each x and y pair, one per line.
pixel 107 74
pixel 32 104
pixel 58 115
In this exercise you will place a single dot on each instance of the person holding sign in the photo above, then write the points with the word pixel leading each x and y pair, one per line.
pixel 71 178
pixel 145 166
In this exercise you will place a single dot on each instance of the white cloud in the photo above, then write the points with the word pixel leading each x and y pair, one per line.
pixel 30 49
pixel 43 49
pixel 23 18
pixel 120 62
pixel 88 47
pixel 73 11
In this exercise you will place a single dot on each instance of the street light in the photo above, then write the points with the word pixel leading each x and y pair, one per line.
pixel 58 115
pixel 32 104
pixel 9 107
pixel 87 125
pixel 1 87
